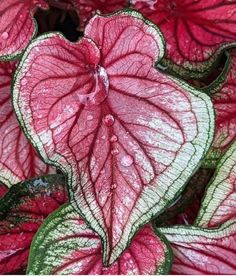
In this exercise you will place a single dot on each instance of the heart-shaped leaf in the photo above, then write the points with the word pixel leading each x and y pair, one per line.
pixel 224 103
pixel 17 26
pixel 22 211
pixel 65 245
pixel 203 251
pixel 87 9
pixel 196 32
pixel 127 135
pixel 219 204
pixel 18 159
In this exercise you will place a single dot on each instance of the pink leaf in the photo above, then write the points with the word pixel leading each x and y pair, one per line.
pixel 203 251
pixel 17 26
pixel 22 211
pixel 195 31
pixel 87 8
pixel 65 245
pixel 18 159
pixel 127 135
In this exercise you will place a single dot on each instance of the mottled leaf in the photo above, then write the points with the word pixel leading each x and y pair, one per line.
pixel 127 135
pixel 65 245
pixel 22 211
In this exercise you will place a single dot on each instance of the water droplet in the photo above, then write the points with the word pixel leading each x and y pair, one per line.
pixel 108 120
pixel 114 138
pixel 24 81
pixel 5 35
pixel 100 89
pixel 113 186
pixel 90 117
pixel 115 152
pixel 102 171
pixel 127 161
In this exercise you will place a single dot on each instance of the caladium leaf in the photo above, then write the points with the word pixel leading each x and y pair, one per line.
pixel 195 32
pixel 18 159
pixel 219 204
pixel 87 8
pixel 22 211
pixel 224 104
pixel 203 251
pixel 65 245
pixel 17 26
pixel 127 136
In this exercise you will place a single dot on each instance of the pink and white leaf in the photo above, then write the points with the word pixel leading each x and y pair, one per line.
pixel 127 135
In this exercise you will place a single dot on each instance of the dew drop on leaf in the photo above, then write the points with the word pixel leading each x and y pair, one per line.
pixel 108 120
pixel 90 117
pixel 127 161
pixel 24 81
pixel 5 35
pixel 115 152
pixel 114 138
pixel 99 92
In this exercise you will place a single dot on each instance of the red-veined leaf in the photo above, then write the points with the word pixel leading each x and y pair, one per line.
pixel 17 25
pixel 195 32
pixel 65 245
pixel 219 204
pixel 127 135
pixel 22 211
pixel 203 251
pixel 18 159
pixel 87 8
pixel 224 103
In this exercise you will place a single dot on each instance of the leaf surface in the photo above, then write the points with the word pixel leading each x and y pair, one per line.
pixel 65 245
pixel 127 135
pixel 203 251
pixel 22 211
pixel 18 159
pixel 195 32
pixel 219 204
pixel 17 26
